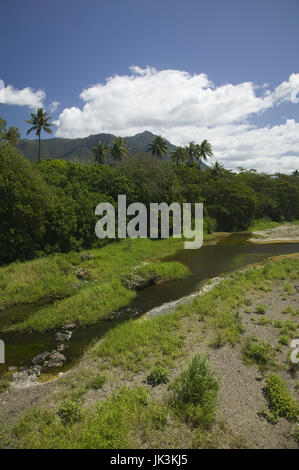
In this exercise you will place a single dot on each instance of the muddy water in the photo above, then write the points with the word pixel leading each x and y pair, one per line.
pixel 230 254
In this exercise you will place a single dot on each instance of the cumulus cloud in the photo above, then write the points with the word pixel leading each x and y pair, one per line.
pixel 183 107
pixel 25 97
pixel 288 91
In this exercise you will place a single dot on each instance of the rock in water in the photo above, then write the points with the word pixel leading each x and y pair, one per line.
pixel 61 337
pixel 40 358
pixel 56 359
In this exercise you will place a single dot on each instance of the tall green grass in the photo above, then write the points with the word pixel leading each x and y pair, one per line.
pixel 194 393
pixel 95 299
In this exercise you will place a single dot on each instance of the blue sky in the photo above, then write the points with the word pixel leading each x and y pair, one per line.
pixel 223 70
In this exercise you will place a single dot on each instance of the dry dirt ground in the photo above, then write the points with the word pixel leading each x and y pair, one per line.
pixel 282 234
pixel 241 392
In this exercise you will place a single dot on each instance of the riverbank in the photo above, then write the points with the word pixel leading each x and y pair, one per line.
pixel 109 389
pixel 285 233
pixel 89 286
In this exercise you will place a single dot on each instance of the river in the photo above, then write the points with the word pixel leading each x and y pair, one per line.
pixel 231 253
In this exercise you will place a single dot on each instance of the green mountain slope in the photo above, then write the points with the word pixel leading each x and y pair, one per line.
pixel 80 150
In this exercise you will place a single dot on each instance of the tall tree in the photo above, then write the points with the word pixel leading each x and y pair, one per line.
pixel 10 135
pixel 217 170
pixel 100 153
pixel 205 150
pixel 158 147
pixel 39 122
pixel 192 150
pixel 179 155
pixel 118 149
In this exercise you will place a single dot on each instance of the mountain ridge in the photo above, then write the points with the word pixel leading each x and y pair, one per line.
pixel 79 150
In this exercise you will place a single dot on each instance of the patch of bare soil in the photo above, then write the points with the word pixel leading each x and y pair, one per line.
pixel 287 233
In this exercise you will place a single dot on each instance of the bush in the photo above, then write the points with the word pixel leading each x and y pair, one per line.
pixel 97 382
pixel 69 412
pixel 261 309
pixel 258 352
pixel 158 375
pixel 195 391
pixel 280 401
pixel 284 339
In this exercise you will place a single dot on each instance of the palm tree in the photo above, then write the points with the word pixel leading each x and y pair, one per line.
pixel 100 153
pixel 205 151
pixel 158 147
pixel 39 122
pixel 193 151
pixel 118 149
pixel 179 155
pixel 217 170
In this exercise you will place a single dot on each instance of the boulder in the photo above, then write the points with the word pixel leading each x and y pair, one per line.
pixel 69 326
pixel 12 369
pixel 37 370
pixel 62 336
pixel 40 358
pixel 56 359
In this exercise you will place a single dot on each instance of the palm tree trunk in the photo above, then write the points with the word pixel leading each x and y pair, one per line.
pixel 39 148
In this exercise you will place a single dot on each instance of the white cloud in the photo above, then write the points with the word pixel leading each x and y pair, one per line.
pixel 25 97
pixel 184 107
pixel 54 106
pixel 288 91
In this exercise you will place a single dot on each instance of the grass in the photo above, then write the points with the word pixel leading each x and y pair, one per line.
pixel 258 352
pixel 138 344
pixel 109 425
pixel 158 375
pixel 154 273
pixel 94 300
pixel 194 393
pixel 263 224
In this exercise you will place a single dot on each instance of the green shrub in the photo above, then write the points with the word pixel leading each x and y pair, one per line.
pixel 97 382
pixel 158 375
pixel 289 288
pixel 296 434
pixel 69 412
pixel 284 339
pixel 289 310
pixel 261 309
pixel 268 415
pixel 280 401
pixel 194 393
pixel 258 352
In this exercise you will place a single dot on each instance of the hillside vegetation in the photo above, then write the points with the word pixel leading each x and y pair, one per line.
pixel 50 207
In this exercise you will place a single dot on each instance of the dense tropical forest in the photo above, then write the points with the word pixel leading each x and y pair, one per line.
pixel 49 206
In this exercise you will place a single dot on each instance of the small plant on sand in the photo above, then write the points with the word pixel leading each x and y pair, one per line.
pixel 194 393
pixel 158 375
pixel 289 310
pixel 284 339
pixel 280 401
pixel 258 352
pixel 268 415
pixel 261 309
pixel 97 382
pixel 289 288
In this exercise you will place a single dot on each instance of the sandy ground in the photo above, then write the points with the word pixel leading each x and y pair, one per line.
pixel 287 233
